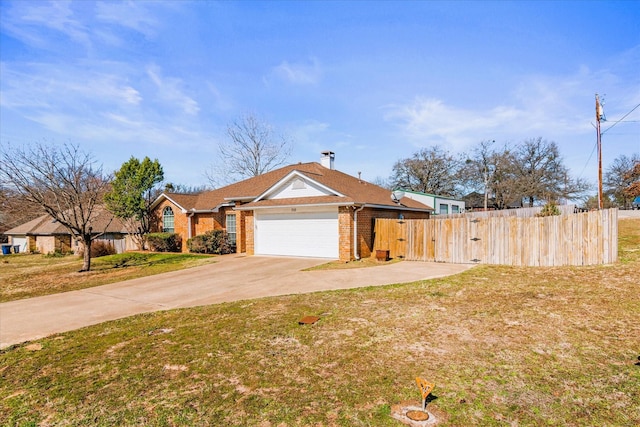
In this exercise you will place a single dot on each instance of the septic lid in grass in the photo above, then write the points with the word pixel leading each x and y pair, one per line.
pixel 308 320
pixel 416 415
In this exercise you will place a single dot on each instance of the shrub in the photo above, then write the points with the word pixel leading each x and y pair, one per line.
pixel 211 242
pixel 99 248
pixel 550 209
pixel 164 242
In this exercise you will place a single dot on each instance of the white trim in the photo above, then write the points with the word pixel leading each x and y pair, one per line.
pixel 291 174
pixel 356 254
pixel 255 208
pixel 399 208
pixel 158 201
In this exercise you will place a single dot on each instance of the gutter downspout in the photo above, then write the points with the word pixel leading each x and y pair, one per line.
pixel 355 232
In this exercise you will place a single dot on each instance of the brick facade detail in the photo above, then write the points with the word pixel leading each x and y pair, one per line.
pixel 248 227
pixel 188 225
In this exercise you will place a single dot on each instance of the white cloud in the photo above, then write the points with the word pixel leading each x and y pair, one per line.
pixel 170 89
pixel 133 15
pixel 26 19
pixel 554 107
pixel 43 86
pixel 428 120
pixel 220 102
pixel 39 23
pixel 299 73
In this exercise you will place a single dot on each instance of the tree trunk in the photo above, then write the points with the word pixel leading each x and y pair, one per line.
pixel 86 260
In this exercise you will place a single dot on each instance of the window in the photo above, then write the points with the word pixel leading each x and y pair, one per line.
pixel 167 220
pixel 444 209
pixel 231 229
pixel 455 209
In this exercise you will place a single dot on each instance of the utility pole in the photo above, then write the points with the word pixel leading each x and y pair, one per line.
pixel 486 185
pixel 599 115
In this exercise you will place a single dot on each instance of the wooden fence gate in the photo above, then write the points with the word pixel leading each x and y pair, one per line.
pixel 570 239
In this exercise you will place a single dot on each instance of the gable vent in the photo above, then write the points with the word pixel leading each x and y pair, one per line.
pixel 298 184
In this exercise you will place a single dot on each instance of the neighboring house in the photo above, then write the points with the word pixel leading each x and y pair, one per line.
pixel 304 209
pixel 442 205
pixel 475 202
pixel 46 235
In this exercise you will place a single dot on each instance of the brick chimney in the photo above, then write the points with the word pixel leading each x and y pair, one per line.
pixel 327 159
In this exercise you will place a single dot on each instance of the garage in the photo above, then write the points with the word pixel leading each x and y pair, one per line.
pixel 308 232
pixel 20 241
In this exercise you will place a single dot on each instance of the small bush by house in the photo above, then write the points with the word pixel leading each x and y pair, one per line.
pixel 211 242
pixel 100 248
pixel 164 242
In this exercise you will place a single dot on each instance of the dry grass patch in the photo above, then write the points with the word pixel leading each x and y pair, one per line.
pixel 30 275
pixel 504 346
pixel 361 263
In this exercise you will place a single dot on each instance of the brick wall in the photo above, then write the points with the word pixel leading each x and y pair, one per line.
pixel 366 223
pixel 248 222
pixel 345 230
pixel 200 223
pixel 180 222
pixel 203 222
pixel 241 232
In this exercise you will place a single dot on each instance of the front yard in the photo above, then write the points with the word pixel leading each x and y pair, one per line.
pixel 26 276
pixel 504 346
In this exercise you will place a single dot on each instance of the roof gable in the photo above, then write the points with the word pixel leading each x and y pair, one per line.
pixel 297 185
pixel 277 185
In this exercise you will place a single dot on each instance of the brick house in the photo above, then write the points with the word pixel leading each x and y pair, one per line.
pixel 304 209
pixel 45 235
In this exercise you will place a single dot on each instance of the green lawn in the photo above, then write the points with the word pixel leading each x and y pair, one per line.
pixel 26 276
pixel 504 346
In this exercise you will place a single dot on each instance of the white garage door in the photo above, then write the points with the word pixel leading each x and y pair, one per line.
pixel 20 241
pixel 301 233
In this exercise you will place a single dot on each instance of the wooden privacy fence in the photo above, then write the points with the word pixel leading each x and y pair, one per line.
pixel 519 212
pixel 571 239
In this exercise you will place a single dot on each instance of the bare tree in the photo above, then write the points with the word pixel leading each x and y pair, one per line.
pixel 170 187
pixel 490 171
pixel 254 148
pixel 64 181
pixel 541 174
pixel 430 170
pixel 618 178
pixel 15 210
pixel 383 182
pixel 633 190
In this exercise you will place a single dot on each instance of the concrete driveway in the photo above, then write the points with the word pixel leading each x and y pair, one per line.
pixel 232 278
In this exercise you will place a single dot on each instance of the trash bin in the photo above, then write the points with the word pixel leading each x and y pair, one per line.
pixel 16 249
pixel 6 249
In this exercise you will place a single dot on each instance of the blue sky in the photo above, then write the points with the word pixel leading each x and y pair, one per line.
pixel 371 81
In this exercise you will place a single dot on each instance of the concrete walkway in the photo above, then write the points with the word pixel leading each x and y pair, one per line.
pixel 232 278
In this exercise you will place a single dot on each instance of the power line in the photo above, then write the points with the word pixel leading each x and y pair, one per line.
pixel 588 160
pixel 623 117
